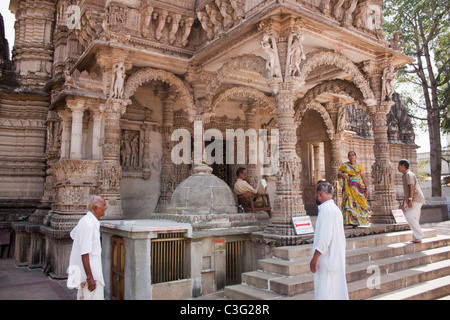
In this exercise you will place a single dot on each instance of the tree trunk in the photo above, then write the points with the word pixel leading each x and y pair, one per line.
pixel 435 153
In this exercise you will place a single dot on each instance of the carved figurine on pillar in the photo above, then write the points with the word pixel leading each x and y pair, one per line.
pixel 285 53
pixel 380 76
pixel 114 64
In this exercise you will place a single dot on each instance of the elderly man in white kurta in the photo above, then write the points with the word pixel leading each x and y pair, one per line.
pixel 85 265
pixel 328 262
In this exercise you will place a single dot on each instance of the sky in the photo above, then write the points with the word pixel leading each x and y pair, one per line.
pixel 422 139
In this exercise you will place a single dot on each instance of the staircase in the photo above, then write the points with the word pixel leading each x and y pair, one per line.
pixel 406 270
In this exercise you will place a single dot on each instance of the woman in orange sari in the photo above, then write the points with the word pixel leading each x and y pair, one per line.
pixel 354 193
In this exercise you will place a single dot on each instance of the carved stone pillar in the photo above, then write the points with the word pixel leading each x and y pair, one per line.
pixel 282 43
pixel 111 170
pixel 168 172
pixel 146 156
pixel 66 125
pixel 382 169
pixel 288 201
pixel 76 141
pixel 114 64
pixel 96 135
pixel 250 124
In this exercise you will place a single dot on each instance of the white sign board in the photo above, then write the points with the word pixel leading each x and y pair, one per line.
pixel 399 216
pixel 302 225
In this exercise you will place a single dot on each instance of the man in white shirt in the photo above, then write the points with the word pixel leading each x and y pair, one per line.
pixel 85 266
pixel 328 262
pixel 412 201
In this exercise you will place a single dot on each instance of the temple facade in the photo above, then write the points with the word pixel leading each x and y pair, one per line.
pixel 97 91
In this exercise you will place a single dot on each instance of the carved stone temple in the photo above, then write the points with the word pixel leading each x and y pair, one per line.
pixel 95 90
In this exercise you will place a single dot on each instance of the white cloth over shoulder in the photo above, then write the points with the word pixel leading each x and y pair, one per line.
pixel 329 239
pixel 86 240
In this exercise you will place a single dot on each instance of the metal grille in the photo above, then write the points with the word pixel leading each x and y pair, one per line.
pixel 168 257
pixel 235 262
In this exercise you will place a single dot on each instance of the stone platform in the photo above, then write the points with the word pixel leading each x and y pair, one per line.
pixel 404 270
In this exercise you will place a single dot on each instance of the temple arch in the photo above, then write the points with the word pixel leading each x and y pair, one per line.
pixel 322 58
pixel 248 62
pixel 150 74
pixel 316 106
pixel 243 92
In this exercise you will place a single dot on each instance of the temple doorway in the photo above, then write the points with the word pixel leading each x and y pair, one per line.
pixel 313 147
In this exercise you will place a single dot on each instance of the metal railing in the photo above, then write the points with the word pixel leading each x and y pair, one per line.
pixel 234 262
pixel 168 257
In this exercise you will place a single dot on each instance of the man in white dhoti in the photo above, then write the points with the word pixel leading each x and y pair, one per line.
pixel 328 262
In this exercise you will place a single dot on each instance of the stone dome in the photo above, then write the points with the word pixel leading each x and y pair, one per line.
pixel 202 194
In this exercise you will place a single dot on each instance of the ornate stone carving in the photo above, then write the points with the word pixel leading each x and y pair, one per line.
pixel 217 17
pixel 364 15
pixel 295 54
pixel 251 63
pixel 314 105
pixel 243 92
pixel 388 76
pixel 129 152
pixel 75 180
pixel 321 58
pixel 395 42
pixel 118 80
pixel 269 45
pixel 150 74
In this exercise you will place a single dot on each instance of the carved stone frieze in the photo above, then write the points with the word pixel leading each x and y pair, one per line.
pixel 217 17
pixel 329 58
pixel 150 74
pixel 75 181
pixel 244 92
pixel 364 15
pixel 155 22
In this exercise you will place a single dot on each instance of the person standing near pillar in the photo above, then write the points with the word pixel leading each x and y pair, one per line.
pixel 85 264
pixel 412 201
pixel 354 193
pixel 328 261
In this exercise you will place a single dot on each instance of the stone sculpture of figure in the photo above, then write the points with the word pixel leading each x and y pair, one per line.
pixel 362 15
pixel 239 8
pixel 273 63
pixel 226 11
pixel 395 43
pixel 148 12
pixel 174 27
pixel 342 120
pixel 118 80
pixel 388 77
pixel 348 14
pixel 126 150
pixel 325 6
pixel 337 10
pixel 134 145
pixel 216 18
pixel 377 24
pixel 187 27
pixel 296 54
pixel 160 24
pixel 206 24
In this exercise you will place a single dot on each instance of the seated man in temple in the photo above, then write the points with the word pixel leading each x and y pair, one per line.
pixel 242 186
